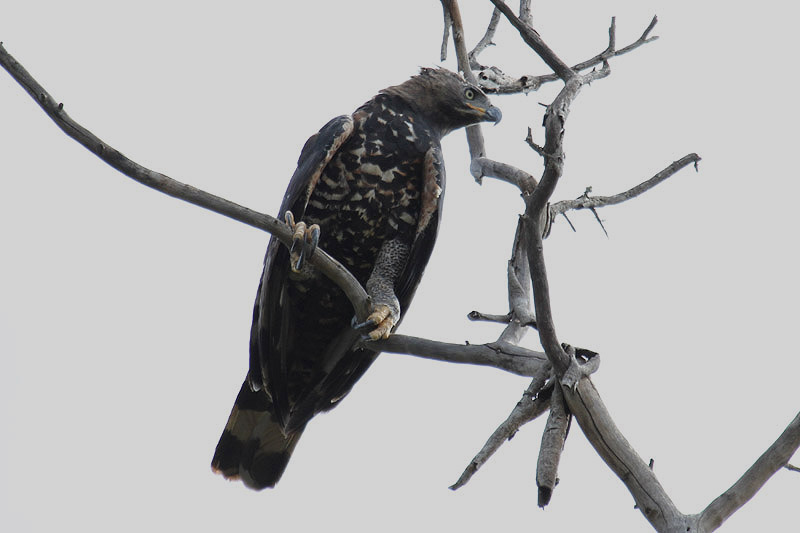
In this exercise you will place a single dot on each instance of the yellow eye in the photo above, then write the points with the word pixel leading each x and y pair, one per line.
pixel 469 94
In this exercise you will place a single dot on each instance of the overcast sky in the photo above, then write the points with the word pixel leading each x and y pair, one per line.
pixel 125 314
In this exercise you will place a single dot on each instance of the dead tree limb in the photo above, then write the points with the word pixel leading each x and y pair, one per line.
pixel 580 394
pixel 163 183
pixel 494 80
pixel 498 354
pixel 772 460
pixel 535 401
pixel 485 41
pixel 582 399
pixel 591 202
pixel 553 439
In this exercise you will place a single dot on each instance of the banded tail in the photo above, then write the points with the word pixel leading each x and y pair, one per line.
pixel 252 447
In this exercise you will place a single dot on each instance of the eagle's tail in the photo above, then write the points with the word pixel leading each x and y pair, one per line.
pixel 253 447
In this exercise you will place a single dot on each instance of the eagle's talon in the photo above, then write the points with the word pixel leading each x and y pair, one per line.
pixel 383 330
pixel 312 239
pixel 304 241
pixel 363 325
pixel 381 319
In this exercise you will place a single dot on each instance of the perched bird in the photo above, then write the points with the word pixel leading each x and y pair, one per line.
pixel 368 190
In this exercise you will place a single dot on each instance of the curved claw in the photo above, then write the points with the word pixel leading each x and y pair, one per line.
pixel 361 325
pixel 298 249
pixel 304 241
pixel 312 239
pixel 381 319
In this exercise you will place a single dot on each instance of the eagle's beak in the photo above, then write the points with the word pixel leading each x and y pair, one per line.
pixel 493 114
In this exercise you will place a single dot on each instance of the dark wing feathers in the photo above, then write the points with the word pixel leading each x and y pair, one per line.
pixel 272 321
pixel 422 247
pixel 316 153
pixel 338 369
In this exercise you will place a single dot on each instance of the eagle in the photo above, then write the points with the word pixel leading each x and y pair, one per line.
pixel 368 190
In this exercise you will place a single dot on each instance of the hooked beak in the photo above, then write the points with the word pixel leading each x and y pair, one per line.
pixel 493 114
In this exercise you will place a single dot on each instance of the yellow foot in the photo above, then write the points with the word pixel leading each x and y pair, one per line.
pixel 382 320
pixel 304 241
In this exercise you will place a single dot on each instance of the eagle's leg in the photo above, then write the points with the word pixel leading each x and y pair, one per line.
pixel 304 241
pixel 385 308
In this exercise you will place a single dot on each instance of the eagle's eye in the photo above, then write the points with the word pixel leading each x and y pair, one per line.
pixel 469 94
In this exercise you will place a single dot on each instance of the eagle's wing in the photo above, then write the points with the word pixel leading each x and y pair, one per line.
pixel 272 320
pixel 427 228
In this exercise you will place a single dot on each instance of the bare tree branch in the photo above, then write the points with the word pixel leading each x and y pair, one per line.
pixel 163 183
pixel 590 202
pixel 502 355
pixel 484 317
pixel 519 291
pixel 581 395
pixel 776 456
pixel 555 119
pixel 553 439
pixel 485 41
pixel 582 399
pixel 611 50
pixel 535 401
pixel 532 38
pixel 493 80
pixel 448 22
pixel 596 423
pixel 525 13
pixel 483 167
pixel 535 147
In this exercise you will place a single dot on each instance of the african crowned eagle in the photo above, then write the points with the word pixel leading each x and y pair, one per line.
pixel 368 190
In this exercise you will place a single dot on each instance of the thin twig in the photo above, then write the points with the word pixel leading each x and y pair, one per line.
pixel 485 317
pixel 448 22
pixel 493 80
pixel 590 202
pixel 599 220
pixel 535 147
pixel 525 13
pixel 611 50
pixel 485 41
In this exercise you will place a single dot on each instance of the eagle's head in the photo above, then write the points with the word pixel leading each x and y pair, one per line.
pixel 446 100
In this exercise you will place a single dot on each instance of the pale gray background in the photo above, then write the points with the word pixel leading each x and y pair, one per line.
pixel 125 314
